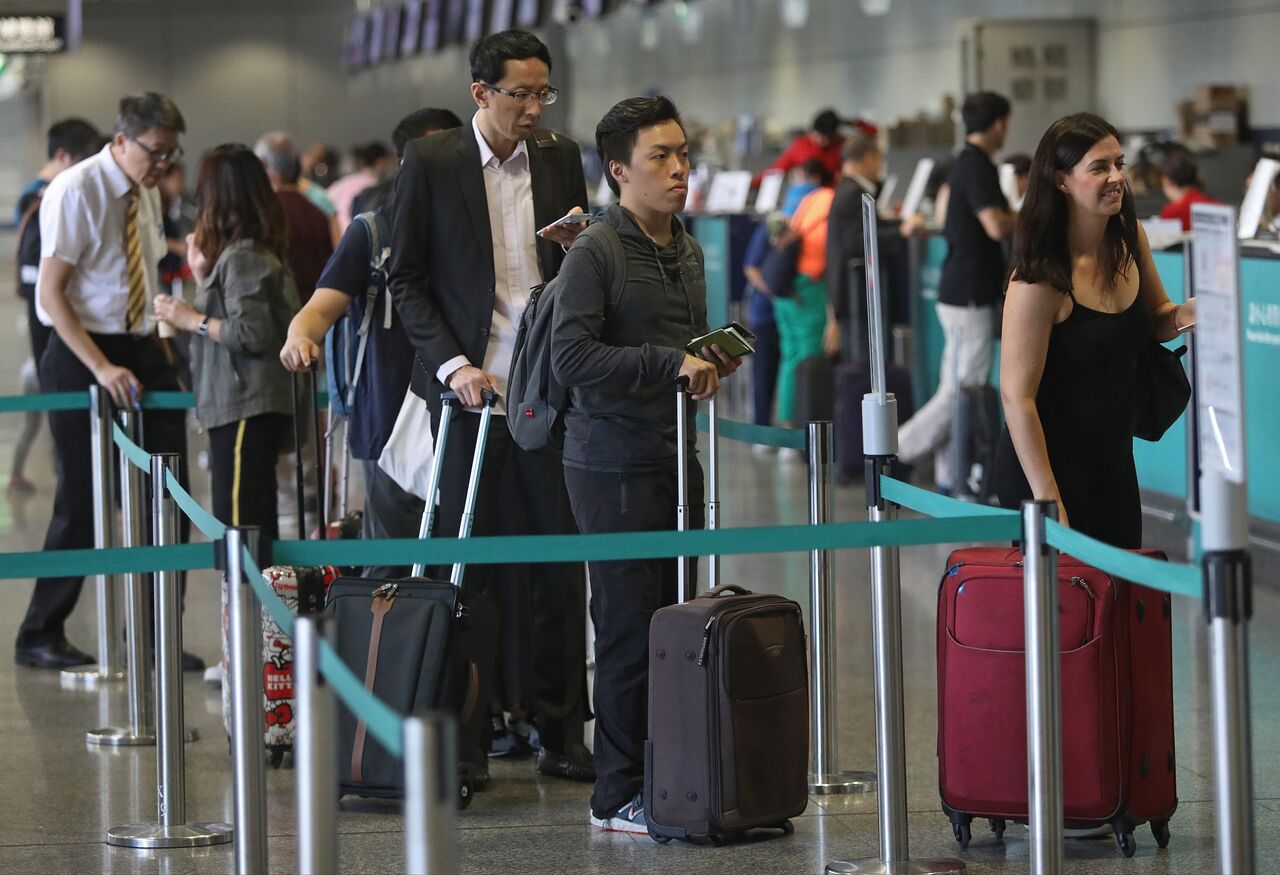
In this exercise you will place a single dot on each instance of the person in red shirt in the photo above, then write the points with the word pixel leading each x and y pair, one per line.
pixel 1180 179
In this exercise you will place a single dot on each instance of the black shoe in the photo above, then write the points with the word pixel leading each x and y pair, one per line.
pixel 517 738
pixel 191 662
pixel 477 774
pixel 57 655
pixel 576 765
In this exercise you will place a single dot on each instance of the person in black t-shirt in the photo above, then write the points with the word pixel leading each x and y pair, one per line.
pixel 390 512
pixel 978 219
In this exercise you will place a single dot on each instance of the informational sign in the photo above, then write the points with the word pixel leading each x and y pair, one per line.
pixel 729 191
pixel 32 34
pixel 411 35
pixel 500 15
pixel 770 190
pixel 1255 199
pixel 432 25
pixel 1163 233
pixel 529 13
pixel 915 191
pixel 884 200
pixel 475 21
pixel 1219 367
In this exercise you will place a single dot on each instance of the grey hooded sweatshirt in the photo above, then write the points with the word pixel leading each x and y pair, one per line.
pixel 619 358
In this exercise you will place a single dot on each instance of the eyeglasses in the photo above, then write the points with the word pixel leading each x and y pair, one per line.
pixel 525 98
pixel 155 156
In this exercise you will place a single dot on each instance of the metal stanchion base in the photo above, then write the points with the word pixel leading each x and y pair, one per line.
pixel 155 835
pixel 113 737
pixel 902 867
pixel 840 783
pixel 89 676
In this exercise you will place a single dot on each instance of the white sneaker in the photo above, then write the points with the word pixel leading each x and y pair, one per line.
pixel 628 818
pixel 762 450
pixel 790 454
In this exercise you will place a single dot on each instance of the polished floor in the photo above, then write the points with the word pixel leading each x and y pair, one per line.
pixel 62 795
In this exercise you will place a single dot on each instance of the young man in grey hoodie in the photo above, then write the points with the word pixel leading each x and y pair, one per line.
pixel 619 352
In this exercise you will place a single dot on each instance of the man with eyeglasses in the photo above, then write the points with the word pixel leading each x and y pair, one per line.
pixel 102 238
pixel 466 249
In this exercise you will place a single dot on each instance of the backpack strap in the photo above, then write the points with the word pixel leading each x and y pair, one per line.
pixel 379 254
pixel 615 260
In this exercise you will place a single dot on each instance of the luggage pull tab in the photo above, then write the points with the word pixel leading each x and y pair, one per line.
pixel 1083 584
pixel 706 641
pixel 387 591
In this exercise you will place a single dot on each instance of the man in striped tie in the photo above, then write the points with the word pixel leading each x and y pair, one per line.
pixel 101 243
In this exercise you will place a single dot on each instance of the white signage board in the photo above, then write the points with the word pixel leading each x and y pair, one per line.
pixel 729 191
pixel 884 200
pixel 1255 199
pixel 1219 367
pixel 770 190
pixel 915 191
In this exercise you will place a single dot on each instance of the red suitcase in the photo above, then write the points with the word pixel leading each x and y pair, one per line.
pixel 1117 697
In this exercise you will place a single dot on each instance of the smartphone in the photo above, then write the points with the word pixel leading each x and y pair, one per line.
pixel 742 330
pixel 572 219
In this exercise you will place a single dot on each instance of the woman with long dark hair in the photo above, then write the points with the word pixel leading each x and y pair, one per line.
pixel 240 318
pixel 1083 300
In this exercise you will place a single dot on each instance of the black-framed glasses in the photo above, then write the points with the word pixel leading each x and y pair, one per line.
pixel 155 156
pixel 525 98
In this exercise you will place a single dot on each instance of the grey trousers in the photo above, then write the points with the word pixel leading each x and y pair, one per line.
pixel 389 512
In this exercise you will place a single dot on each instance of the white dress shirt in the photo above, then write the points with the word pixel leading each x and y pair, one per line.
pixel 82 220
pixel 508 188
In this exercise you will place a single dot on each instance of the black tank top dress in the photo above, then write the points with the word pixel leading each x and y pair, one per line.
pixel 1086 405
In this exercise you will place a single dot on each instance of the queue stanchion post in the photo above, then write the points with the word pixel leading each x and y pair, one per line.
pixel 1228 584
pixel 141 729
pixel 880 447
pixel 713 487
pixel 826 778
pixel 110 665
pixel 431 794
pixel 248 754
pixel 171 829
pixel 316 753
pixel 685 589
pixel 1044 702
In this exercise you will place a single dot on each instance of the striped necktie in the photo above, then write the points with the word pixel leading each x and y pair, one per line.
pixel 135 312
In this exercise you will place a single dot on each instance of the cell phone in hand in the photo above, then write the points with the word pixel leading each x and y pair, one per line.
pixel 572 219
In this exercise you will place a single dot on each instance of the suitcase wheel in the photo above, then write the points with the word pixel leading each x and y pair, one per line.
pixel 788 828
pixel 1160 829
pixel 275 755
pixel 962 833
pixel 1124 840
pixel 997 827
pixel 465 792
pixel 662 840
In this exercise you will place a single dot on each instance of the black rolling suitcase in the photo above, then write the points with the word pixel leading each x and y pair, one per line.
pixel 815 386
pixel 419 644
pixel 728 746
pixel 853 381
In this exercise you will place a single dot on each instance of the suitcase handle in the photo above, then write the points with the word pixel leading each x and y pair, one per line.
pixel 723 589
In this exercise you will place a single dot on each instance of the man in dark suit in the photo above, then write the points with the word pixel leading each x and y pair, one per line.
pixel 466 250
pixel 846 283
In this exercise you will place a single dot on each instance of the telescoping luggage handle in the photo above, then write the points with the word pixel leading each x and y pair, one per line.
pixel 322 473
pixel 448 402
pixel 684 578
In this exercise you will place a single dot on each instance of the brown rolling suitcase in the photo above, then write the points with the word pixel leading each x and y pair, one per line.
pixel 728 746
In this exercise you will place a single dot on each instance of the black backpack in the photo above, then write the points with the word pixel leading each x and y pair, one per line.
pixel 536 402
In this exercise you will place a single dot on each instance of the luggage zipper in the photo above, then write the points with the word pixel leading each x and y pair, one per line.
pixel 387 590
pixel 706 630
pixel 1083 584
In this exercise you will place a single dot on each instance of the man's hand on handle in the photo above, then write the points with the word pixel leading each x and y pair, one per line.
pixel 470 382
pixel 703 377
pixel 299 354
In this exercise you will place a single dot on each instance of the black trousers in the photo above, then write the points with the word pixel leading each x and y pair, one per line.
pixel 542 659
pixel 242 470
pixel 1100 494
pixel 163 431
pixel 624 595
pixel 37 332
pixel 764 371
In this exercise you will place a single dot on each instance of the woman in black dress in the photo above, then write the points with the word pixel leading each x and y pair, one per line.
pixel 1083 299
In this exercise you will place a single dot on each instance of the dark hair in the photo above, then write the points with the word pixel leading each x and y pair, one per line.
pixel 419 124
pixel 369 154
pixel 140 113
pixel 983 109
pixel 819 171
pixel 1040 250
pixel 75 136
pixel 1021 163
pixel 490 54
pixel 234 201
pixel 1181 171
pixel 826 123
pixel 859 146
pixel 617 132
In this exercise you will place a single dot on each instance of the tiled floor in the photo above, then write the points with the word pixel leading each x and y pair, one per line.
pixel 62 795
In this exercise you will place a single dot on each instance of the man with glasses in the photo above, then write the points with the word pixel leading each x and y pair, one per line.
pixel 466 249
pixel 102 238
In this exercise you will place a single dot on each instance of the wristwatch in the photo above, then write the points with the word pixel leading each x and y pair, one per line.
pixel 204 327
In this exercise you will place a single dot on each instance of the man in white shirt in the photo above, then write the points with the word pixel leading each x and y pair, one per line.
pixel 466 249
pixel 102 239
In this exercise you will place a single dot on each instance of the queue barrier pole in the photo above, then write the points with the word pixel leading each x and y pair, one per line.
pixel 171 829
pixel 1044 701
pixel 315 753
pixel 110 666
pixel 431 794
pixel 141 729
pixel 826 778
pixel 880 446
pixel 248 752
pixel 685 565
pixel 713 487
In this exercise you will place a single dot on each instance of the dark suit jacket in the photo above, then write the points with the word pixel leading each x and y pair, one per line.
pixel 442 277
pixel 844 242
